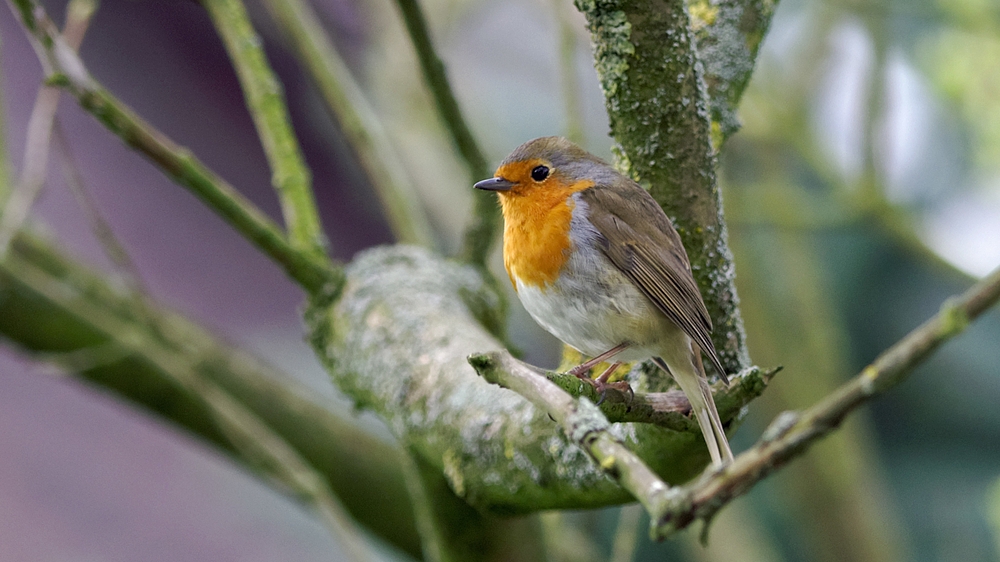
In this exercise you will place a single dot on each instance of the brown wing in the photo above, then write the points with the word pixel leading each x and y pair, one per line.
pixel 651 254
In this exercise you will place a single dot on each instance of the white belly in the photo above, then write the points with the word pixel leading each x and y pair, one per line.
pixel 593 307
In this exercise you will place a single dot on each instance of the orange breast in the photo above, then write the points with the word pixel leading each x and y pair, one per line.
pixel 536 242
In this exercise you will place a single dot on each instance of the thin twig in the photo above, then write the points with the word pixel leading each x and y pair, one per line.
pixel 113 248
pixel 63 67
pixel 791 434
pixel 36 147
pixel 480 233
pixel 244 429
pixel 585 425
pixel 266 102
pixel 664 409
pixel 357 120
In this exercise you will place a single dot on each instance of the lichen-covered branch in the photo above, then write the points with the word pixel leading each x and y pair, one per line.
pixel 63 67
pixel 357 120
pixel 665 409
pixel 398 342
pixel 454 531
pixel 40 288
pixel 486 215
pixel 266 101
pixel 584 424
pixel 659 109
pixel 793 433
pixel 728 34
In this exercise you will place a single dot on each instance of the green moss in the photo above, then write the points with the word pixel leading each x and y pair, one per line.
pixel 613 46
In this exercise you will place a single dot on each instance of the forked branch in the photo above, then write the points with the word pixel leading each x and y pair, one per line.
pixel 63 67
pixel 790 435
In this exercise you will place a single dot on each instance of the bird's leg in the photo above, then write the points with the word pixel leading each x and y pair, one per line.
pixel 601 384
pixel 608 372
pixel 581 369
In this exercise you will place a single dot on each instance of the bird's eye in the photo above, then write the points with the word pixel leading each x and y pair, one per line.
pixel 539 173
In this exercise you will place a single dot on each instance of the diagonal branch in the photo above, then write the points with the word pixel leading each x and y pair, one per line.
pixel 584 424
pixel 113 248
pixel 245 431
pixel 40 126
pixel 266 101
pixel 357 119
pixel 665 409
pixel 790 435
pixel 124 344
pixel 63 67
pixel 479 235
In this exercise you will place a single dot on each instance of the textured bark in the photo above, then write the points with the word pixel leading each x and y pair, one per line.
pixel 728 34
pixel 398 342
pixel 660 114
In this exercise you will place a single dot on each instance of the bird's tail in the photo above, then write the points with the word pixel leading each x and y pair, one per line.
pixel 699 394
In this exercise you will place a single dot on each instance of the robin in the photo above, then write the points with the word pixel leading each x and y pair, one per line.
pixel 597 263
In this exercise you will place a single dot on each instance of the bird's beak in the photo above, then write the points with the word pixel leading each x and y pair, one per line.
pixel 494 184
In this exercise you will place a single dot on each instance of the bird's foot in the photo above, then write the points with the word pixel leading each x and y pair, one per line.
pixel 601 384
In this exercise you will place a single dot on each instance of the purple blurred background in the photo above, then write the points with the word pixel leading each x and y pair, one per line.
pixel 82 477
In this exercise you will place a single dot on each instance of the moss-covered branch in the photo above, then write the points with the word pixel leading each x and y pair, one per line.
pixel 397 342
pixel 62 313
pixel 660 114
pixel 357 120
pixel 728 34
pixel 63 67
pixel 665 409
pixel 266 101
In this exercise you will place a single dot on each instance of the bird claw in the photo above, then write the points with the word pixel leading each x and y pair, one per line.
pixel 621 386
pixel 602 387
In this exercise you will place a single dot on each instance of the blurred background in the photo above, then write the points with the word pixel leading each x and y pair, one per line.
pixel 863 190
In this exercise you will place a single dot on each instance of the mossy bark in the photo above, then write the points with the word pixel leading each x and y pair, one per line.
pixel 660 111
pixel 398 341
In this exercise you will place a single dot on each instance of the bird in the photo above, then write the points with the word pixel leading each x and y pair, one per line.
pixel 597 263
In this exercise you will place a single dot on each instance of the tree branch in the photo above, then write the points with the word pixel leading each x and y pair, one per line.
pixel 728 34
pixel 357 120
pixel 659 109
pixel 40 126
pixel 584 424
pixel 481 232
pixel 363 471
pixel 674 508
pixel 398 342
pixel 791 434
pixel 264 98
pixel 63 67
pixel 665 409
